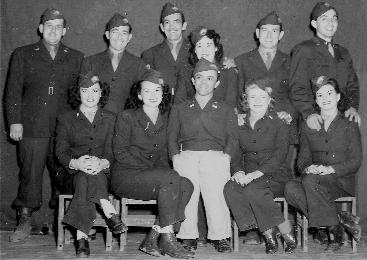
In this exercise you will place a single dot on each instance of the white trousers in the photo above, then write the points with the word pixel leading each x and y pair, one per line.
pixel 209 171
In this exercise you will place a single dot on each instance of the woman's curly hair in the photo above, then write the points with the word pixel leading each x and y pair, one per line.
pixel 251 84
pixel 75 100
pixel 211 34
pixel 133 101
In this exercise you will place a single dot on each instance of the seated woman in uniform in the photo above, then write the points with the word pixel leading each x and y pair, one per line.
pixel 260 169
pixel 142 170
pixel 206 44
pixel 328 160
pixel 84 149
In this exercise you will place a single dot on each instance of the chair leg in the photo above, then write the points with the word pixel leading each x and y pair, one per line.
pixel 234 237
pixel 108 239
pixel 305 233
pixel 60 227
pixel 123 236
pixel 354 212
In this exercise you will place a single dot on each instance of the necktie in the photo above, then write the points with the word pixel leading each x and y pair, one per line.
pixel 174 52
pixel 268 60
pixel 115 61
pixel 52 52
pixel 330 49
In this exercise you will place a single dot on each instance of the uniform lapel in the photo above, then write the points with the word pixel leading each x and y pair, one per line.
pixel 124 63
pixel 256 59
pixel 182 55
pixel 278 60
pixel 319 46
pixel 62 52
pixel 43 52
pixel 105 62
pixel 166 54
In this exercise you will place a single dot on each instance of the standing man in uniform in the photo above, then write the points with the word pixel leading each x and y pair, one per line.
pixel 173 53
pixel 37 92
pixel 321 56
pixel 116 66
pixel 268 62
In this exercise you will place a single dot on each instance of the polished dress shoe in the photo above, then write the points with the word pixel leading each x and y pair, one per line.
pixel 190 244
pixel 335 245
pixel 271 242
pixel 82 248
pixel 222 246
pixel 115 224
pixel 150 244
pixel 290 240
pixel 321 236
pixel 168 245
pixel 350 223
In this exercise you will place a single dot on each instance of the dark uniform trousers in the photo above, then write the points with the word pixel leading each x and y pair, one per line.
pixel 37 92
pixel 142 170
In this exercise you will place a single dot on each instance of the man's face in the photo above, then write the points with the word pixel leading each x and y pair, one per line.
pixel 205 82
pixel 269 35
pixel 172 27
pixel 119 37
pixel 52 31
pixel 326 24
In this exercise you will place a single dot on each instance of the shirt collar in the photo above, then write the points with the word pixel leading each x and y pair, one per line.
pixel 111 54
pixel 264 51
pixel 324 41
pixel 48 46
pixel 178 45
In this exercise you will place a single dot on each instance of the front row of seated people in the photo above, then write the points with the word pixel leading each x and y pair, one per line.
pixel 202 138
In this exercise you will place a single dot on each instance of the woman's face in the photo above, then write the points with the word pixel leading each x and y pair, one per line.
pixel 327 98
pixel 151 94
pixel 90 96
pixel 206 49
pixel 258 100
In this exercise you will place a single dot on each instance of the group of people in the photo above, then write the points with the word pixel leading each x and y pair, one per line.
pixel 205 136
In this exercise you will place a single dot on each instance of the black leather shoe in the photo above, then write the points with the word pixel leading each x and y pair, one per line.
pixel 271 242
pixel 115 224
pixel 321 236
pixel 82 248
pixel 335 245
pixel 222 246
pixel 350 223
pixel 168 245
pixel 290 240
pixel 150 244
pixel 190 244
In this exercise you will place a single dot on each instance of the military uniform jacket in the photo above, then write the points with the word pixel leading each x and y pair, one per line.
pixel 264 148
pixel 311 59
pixel 226 90
pixel 77 136
pixel 37 87
pixel 160 58
pixel 138 143
pixel 250 65
pixel 129 71
pixel 340 147
pixel 212 128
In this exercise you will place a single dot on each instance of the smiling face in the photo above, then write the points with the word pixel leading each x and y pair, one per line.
pixel 269 35
pixel 326 25
pixel 119 37
pixel 151 94
pixel 52 31
pixel 258 100
pixel 90 96
pixel 173 26
pixel 205 48
pixel 205 82
pixel 327 98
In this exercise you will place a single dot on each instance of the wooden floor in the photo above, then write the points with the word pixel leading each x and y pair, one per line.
pixel 44 247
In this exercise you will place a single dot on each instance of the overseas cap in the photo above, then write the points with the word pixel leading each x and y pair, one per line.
pixel 271 18
pixel 169 9
pixel 88 80
pixel 205 65
pixel 116 21
pixel 153 76
pixel 51 14
pixel 320 8
pixel 197 34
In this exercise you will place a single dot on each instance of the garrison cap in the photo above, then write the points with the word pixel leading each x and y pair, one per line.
pixel 116 21
pixel 320 8
pixel 153 76
pixel 169 9
pixel 205 65
pixel 88 80
pixel 319 82
pixel 51 14
pixel 197 34
pixel 262 83
pixel 271 18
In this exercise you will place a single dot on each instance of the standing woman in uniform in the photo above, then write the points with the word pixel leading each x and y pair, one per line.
pixel 328 160
pixel 260 169
pixel 142 170
pixel 206 44
pixel 84 149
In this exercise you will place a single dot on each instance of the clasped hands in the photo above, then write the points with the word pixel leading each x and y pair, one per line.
pixel 244 179
pixel 319 169
pixel 89 164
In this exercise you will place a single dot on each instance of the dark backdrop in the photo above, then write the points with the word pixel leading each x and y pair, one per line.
pixel 234 20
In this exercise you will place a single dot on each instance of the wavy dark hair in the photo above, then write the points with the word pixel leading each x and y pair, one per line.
pixel 251 84
pixel 211 34
pixel 74 95
pixel 133 101
pixel 332 82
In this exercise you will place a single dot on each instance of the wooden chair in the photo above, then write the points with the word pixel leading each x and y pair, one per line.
pixel 235 233
pixel 133 220
pixel 302 222
pixel 63 233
